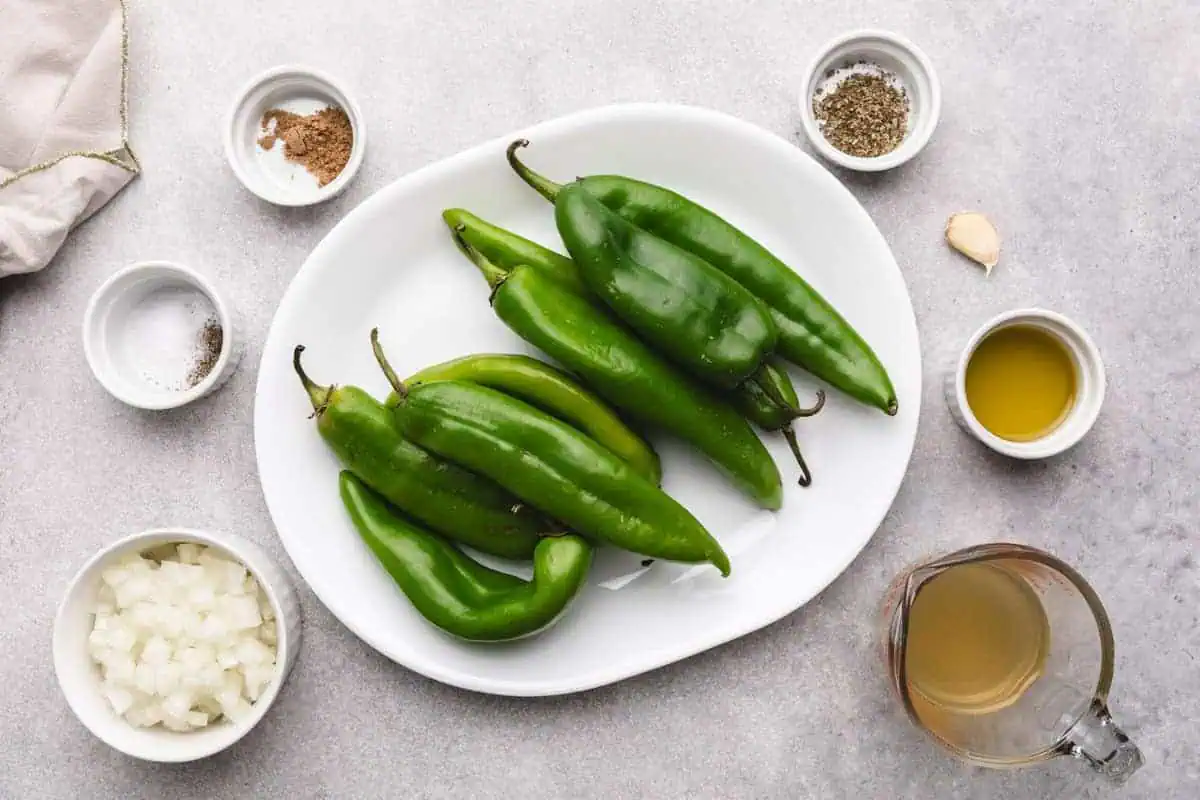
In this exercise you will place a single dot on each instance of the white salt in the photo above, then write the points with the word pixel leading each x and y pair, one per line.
pixel 159 335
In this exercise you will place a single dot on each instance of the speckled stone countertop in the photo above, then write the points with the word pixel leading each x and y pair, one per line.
pixel 1074 124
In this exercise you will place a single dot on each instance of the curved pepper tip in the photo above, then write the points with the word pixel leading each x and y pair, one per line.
pixel 721 561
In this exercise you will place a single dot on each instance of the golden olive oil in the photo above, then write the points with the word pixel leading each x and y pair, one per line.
pixel 977 639
pixel 1021 382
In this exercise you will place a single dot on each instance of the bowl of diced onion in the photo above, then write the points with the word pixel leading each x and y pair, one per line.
pixel 171 644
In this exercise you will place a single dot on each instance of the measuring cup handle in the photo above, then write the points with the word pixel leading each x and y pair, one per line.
pixel 1096 739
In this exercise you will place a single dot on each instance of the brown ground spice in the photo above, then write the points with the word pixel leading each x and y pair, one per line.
pixel 321 142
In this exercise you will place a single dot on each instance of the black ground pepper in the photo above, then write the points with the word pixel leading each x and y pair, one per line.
pixel 208 351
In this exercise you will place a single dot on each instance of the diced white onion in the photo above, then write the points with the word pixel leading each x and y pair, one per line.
pixel 182 642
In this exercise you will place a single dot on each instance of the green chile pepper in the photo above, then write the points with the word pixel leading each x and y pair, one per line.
pixel 457 594
pixel 553 392
pixel 812 334
pixel 620 368
pixel 551 466
pixel 681 305
pixel 459 504
pixel 508 251
pixel 750 398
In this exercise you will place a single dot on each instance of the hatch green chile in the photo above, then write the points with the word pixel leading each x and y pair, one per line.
pixel 583 338
pixel 550 465
pixel 454 592
pixel 750 398
pixel 508 250
pixel 812 334
pixel 465 507
pixel 684 307
pixel 553 392
pixel 771 411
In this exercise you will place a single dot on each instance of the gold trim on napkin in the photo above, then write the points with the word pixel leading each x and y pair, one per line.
pixel 123 156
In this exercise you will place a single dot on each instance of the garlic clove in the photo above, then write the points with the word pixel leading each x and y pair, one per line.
pixel 973 235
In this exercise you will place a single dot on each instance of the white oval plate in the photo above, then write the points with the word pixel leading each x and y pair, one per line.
pixel 391 263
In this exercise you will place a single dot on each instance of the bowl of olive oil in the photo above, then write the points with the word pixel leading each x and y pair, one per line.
pixel 1029 384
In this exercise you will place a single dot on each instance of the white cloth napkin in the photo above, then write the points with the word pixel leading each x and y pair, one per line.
pixel 63 146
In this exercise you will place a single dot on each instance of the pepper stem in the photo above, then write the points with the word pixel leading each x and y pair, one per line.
pixel 544 186
pixel 397 385
pixel 813 409
pixel 789 433
pixel 317 395
pixel 492 273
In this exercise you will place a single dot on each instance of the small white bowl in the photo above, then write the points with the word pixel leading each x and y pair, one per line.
pixel 267 173
pixel 1089 390
pixel 141 334
pixel 895 54
pixel 79 677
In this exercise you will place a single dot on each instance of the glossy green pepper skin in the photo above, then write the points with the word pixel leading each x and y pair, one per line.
pixel 465 507
pixel 772 411
pixel 553 392
pixel 569 328
pixel 551 466
pixel 681 305
pixel 508 250
pixel 812 334
pixel 457 594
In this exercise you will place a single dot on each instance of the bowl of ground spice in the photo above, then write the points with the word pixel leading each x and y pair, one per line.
pixel 294 137
pixel 870 101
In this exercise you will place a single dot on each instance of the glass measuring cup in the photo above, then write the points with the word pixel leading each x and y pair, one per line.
pixel 1053 700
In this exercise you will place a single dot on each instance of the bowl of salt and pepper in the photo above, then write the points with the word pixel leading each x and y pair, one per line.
pixel 157 336
pixel 870 101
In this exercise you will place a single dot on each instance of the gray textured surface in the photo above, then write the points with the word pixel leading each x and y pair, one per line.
pixel 1076 127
